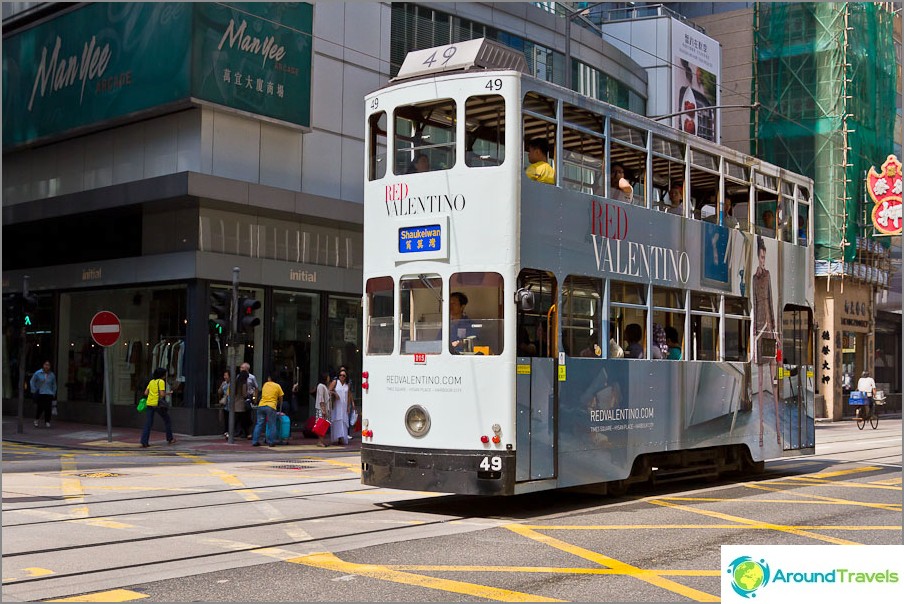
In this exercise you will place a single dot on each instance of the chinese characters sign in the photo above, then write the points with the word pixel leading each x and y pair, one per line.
pixel 112 62
pixel 885 191
pixel 420 239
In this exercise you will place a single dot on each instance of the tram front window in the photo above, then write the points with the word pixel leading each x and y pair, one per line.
pixel 425 137
pixel 421 320
pixel 475 313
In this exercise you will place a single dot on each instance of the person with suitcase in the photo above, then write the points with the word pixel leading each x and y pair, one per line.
pixel 271 396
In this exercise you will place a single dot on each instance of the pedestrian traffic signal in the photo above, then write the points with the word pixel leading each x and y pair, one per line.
pixel 247 320
pixel 12 309
pixel 29 308
pixel 220 306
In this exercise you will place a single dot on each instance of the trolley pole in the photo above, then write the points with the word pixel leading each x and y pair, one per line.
pixel 230 352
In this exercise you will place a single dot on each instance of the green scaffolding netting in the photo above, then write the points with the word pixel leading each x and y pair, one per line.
pixel 821 69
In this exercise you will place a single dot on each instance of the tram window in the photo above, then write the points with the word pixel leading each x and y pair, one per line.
pixel 539 128
pixel 633 165
pixel 539 104
pixel 737 171
pixel 704 327
pixel 420 309
pixel 476 313
pixel 582 161
pixel 376 164
pixel 536 329
pixel 485 136
pixel 764 213
pixel 426 129
pixel 703 190
pixel 737 328
pixel 669 313
pixel 380 315
pixel 668 168
pixel 582 316
pixel 803 223
pixel 628 317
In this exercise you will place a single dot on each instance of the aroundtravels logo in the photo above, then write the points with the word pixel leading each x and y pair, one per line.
pixel 748 575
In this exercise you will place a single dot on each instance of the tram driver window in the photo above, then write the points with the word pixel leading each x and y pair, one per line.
pixel 425 129
pixel 376 130
pixel 380 315
pixel 485 131
pixel 476 314
pixel 420 310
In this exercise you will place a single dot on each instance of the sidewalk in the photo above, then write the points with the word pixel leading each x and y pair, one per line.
pixel 93 437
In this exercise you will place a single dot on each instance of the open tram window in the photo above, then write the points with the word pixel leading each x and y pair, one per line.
pixel 539 129
pixel 704 186
pixel 668 314
pixel 627 320
pixel 476 313
pixel 583 150
pixel 380 315
pixel 536 329
pixel 803 215
pixel 668 168
pixel 737 328
pixel 425 137
pixel 376 132
pixel 420 310
pixel 704 327
pixel 628 164
pixel 765 204
pixel 484 131
pixel 582 316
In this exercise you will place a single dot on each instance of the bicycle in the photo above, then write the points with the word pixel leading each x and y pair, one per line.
pixel 867 413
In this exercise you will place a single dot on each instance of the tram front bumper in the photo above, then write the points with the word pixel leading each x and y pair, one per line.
pixel 439 470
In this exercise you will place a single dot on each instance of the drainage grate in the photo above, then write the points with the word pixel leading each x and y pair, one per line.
pixel 293 467
pixel 97 474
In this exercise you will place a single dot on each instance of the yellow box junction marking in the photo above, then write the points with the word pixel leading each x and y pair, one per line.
pixel 116 595
pixel 329 561
pixel 651 577
pixel 230 479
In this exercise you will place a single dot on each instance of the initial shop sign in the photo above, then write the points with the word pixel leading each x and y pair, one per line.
pixel 109 61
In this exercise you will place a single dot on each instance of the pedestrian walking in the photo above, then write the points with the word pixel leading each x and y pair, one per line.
pixel 156 394
pixel 43 387
pixel 343 403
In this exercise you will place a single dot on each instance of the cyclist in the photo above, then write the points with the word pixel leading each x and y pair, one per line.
pixel 867 386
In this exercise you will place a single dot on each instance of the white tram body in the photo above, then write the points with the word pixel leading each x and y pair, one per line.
pixel 528 391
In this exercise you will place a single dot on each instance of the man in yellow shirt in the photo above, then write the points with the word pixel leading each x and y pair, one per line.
pixel 539 168
pixel 271 395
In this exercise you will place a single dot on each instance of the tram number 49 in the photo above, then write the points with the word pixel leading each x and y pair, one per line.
pixel 490 468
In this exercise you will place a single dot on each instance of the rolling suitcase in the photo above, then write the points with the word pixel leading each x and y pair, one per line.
pixel 283 429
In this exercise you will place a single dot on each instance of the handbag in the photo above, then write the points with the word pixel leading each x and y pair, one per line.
pixel 353 417
pixel 142 404
pixel 321 426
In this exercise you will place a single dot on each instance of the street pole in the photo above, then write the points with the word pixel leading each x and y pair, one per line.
pixel 108 390
pixel 230 352
pixel 23 350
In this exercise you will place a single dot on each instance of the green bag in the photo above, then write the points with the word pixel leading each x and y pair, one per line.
pixel 142 404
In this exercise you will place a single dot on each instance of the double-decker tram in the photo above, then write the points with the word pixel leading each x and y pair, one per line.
pixel 529 327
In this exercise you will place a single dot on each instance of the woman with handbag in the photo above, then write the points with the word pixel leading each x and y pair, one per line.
pixel 156 394
pixel 322 404
pixel 342 405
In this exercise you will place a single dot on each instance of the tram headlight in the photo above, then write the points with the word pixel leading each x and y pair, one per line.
pixel 417 421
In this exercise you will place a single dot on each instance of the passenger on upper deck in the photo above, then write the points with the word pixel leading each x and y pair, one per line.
pixel 620 187
pixel 539 168
pixel 727 219
pixel 421 163
pixel 676 198
pixel 768 223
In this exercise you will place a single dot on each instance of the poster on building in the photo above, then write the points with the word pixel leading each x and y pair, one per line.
pixel 696 77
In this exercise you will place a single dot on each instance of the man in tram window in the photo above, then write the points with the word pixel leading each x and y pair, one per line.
pixel 676 198
pixel 634 335
pixel 461 331
pixel 540 168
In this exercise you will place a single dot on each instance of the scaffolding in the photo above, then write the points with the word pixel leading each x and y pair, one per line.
pixel 824 75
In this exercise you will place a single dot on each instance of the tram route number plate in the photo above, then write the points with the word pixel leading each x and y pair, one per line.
pixel 490 467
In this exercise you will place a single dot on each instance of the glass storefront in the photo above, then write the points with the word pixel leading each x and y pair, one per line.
pixel 296 347
pixel 343 338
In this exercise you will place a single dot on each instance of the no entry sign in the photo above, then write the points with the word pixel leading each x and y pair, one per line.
pixel 105 328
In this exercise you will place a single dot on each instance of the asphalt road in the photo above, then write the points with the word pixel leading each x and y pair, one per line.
pixel 123 526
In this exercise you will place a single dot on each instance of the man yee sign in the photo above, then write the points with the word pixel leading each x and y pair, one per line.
pixel 112 62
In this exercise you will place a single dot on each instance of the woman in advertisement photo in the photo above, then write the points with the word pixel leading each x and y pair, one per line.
pixel 765 335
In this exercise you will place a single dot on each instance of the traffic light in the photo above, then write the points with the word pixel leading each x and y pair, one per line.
pixel 220 305
pixel 29 308
pixel 12 309
pixel 247 320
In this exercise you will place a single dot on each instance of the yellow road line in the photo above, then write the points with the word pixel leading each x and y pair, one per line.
pixel 230 479
pixel 797 480
pixel 651 577
pixel 329 561
pixel 547 569
pixel 116 595
pixel 748 522
pixel 809 497
pixel 847 472
pixel 635 527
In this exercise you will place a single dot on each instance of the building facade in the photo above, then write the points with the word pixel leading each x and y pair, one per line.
pixel 151 149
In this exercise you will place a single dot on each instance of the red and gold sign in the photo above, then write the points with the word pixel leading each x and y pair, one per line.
pixel 885 190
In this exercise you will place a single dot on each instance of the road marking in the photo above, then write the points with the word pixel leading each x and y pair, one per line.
pixel 695 527
pixel 548 569
pixel 847 485
pixel 116 595
pixel 230 479
pixel 651 577
pixel 836 473
pixel 329 561
pixel 748 522
pixel 819 499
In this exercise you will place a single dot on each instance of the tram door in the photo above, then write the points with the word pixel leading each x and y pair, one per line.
pixel 795 378
pixel 536 386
